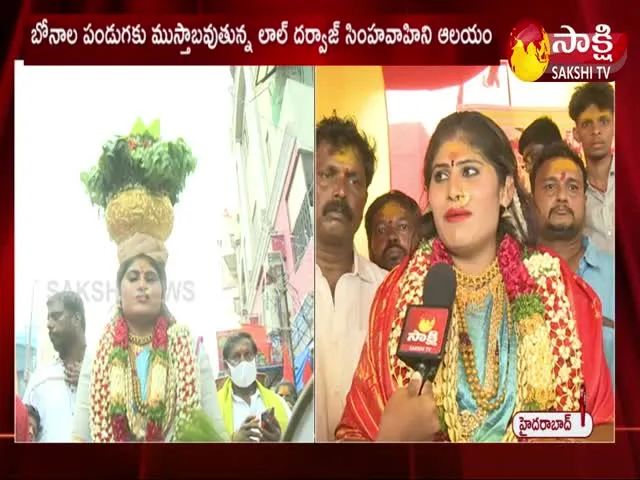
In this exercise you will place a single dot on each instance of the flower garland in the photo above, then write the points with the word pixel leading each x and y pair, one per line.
pixel 173 368
pixel 186 377
pixel 120 367
pixel 549 350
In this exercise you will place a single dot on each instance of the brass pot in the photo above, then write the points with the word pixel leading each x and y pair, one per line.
pixel 138 211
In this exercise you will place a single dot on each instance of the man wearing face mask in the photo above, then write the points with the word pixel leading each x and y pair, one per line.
pixel 52 388
pixel 251 412
pixel 390 223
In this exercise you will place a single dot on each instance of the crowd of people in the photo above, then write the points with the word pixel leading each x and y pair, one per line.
pixel 530 236
pixel 55 406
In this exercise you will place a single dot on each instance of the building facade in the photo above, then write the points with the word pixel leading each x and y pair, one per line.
pixel 227 244
pixel 273 141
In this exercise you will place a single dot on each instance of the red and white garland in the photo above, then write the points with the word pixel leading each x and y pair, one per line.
pixel 549 350
pixel 173 384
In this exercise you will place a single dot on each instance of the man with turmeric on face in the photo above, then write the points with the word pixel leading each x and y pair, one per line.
pixel 559 187
pixel 345 281
pixel 390 223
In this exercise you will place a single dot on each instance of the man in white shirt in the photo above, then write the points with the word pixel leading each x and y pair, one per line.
pixel 52 388
pixel 345 282
pixel 592 109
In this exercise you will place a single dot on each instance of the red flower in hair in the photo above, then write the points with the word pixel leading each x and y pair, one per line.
pixel 121 334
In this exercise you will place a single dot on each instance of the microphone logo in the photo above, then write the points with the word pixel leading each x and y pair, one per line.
pixel 426 325
pixel 424 333
pixel 424 330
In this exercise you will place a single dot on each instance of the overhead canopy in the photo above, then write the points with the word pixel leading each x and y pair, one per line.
pixel 427 78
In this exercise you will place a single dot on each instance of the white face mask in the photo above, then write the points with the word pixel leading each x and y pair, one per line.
pixel 243 374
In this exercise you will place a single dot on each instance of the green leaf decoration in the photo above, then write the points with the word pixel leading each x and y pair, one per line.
pixel 118 409
pixel 138 128
pixel 154 129
pixel 156 413
pixel 199 428
pixel 121 355
pixel 526 306
pixel 140 160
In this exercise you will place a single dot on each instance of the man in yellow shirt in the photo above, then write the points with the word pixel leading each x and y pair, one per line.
pixel 251 412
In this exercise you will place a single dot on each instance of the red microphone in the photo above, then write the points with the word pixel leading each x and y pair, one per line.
pixel 426 327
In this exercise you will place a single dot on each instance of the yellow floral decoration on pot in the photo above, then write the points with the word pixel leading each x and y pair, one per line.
pixel 138 211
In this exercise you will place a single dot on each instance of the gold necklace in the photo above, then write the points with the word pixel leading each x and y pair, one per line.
pixel 460 425
pixel 486 396
pixel 474 288
pixel 140 340
pixel 482 392
pixel 137 344
pixel 136 420
pixel 473 292
pixel 472 295
pixel 139 414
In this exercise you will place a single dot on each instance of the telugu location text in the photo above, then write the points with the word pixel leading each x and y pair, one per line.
pixel 581 73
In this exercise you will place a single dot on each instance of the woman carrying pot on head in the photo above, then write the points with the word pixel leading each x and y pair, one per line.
pixel 148 379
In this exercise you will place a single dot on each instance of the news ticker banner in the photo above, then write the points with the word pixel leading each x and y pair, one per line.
pixel 534 54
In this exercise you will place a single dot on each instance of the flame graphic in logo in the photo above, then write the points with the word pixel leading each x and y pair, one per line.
pixel 426 324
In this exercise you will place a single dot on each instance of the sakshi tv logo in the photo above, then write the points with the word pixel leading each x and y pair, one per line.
pixel 535 55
